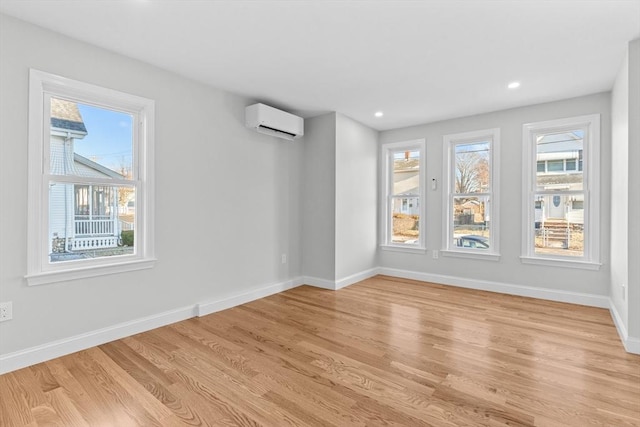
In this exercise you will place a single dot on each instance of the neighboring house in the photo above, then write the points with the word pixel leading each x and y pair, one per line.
pixel 559 166
pixel 473 211
pixel 82 217
pixel 406 180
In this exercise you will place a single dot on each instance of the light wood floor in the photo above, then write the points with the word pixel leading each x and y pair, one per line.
pixel 382 352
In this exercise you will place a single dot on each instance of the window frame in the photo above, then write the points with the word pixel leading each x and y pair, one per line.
pixel 42 87
pixel 590 124
pixel 387 195
pixel 449 143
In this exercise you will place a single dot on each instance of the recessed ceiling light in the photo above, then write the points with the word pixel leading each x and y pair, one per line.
pixel 513 85
pixel 379 114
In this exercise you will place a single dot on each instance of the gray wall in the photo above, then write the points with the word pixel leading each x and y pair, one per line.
pixel 339 197
pixel 318 197
pixel 620 189
pixel 356 197
pixel 227 198
pixel 509 270
pixel 634 190
pixel 625 193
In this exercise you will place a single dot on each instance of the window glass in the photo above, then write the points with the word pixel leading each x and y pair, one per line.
pixel 555 149
pixel 472 168
pixel 95 144
pixel 403 202
pixel 559 194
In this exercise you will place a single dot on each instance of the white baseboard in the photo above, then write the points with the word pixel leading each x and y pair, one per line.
pixel 591 300
pixel 319 283
pixel 355 278
pixel 631 344
pixel 334 285
pixel 41 353
pixel 204 308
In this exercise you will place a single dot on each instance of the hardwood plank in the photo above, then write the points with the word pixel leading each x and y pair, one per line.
pixel 383 352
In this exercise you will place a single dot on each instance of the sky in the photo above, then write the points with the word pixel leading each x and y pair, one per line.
pixel 109 139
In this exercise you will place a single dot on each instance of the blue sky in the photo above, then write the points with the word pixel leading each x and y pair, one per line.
pixel 109 138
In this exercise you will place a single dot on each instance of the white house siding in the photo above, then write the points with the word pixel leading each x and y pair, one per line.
pixel 57 210
pixel 59 164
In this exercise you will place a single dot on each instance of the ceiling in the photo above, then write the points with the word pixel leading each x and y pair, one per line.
pixel 417 61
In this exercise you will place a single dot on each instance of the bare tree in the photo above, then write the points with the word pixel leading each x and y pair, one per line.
pixel 125 193
pixel 472 172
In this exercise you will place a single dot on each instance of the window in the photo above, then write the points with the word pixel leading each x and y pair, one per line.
pixel 90 157
pixel 561 200
pixel 403 206
pixel 471 196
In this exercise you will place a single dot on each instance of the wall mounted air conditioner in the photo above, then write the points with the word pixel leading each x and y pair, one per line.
pixel 271 121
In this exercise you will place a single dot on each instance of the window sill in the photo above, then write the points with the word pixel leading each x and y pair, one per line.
pixel 406 249
pixel 44 278
pixel 557 262
pixel 471 255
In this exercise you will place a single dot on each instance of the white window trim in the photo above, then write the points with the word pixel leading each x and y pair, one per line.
pixel 385 222
pixel 591 184
pixel 39 270
pixel 449 142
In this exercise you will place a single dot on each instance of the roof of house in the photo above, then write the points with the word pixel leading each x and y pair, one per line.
pixel 66 115
pixel 95 166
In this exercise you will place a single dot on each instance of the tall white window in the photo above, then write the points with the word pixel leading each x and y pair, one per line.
pixel 403 195
pixel 561 178
pixel 90 180
pixel 471 220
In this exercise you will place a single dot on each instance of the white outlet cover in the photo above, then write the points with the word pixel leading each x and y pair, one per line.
pixel 6 311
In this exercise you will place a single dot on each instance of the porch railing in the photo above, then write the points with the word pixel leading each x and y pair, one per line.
pixel 94 227
pixel 85 243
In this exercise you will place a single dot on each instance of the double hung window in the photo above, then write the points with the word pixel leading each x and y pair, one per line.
pixel 90 180
pixel 403 195
pixel 471 197
pixel 561 192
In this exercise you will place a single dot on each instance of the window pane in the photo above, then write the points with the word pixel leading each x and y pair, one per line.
pixel 541 166
pixel 555 165
pixel 90 141
pixel 406 172
pixel 559 225
pixel 472 168
pixel 471 222
pixel 405 220
pixel 556 149
pixel 90 221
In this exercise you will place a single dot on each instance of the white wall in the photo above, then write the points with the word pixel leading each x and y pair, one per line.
pixel 509 270
pixel 356 197
pixel 620 190
pixel 339 200
pixel 634 193
pixel 625 199
pixel 318 197
pixel 227 198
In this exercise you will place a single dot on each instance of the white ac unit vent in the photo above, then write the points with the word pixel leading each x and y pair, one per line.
pixel 271 121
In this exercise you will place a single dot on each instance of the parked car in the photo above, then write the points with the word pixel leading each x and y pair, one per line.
pixel 472 241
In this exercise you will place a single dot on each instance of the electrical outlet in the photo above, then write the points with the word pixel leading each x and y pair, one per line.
pixel 284 258
pixel 6 311
pixel 435 254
